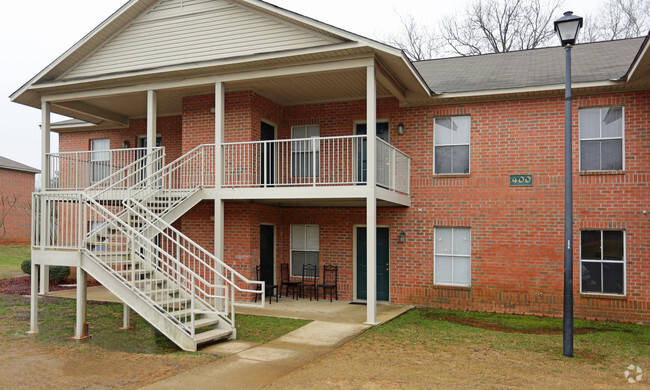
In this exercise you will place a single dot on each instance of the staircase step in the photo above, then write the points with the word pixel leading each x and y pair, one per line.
pixel 212 335
pixel 181 313
pixel 203 322
pixel 160 292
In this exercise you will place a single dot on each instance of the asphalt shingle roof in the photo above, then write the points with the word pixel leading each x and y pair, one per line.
pixel 598 61
pixel 16 166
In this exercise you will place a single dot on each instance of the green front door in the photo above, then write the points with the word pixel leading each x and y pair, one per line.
pixel 383 251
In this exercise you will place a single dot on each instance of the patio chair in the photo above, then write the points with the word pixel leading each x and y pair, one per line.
pixel 268 287
pixel 285 281
pixel 309 281
pixel 330 281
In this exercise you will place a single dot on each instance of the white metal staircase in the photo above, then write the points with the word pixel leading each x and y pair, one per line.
pixel 122 227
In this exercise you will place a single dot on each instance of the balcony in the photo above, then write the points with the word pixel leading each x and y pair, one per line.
pixel 313 168
pixel 332 170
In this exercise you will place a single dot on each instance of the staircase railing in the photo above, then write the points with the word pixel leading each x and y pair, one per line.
pixel 129 180
pixel 178 180
pixel 127 254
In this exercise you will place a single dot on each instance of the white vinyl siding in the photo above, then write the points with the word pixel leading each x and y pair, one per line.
pixel 181 32
pixel 305 247
pixel 452 256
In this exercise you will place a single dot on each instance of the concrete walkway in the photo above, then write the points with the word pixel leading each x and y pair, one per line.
pixel 249 365
pixel 254 366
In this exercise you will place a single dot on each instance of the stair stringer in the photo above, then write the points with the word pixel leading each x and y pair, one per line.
pixel 157 319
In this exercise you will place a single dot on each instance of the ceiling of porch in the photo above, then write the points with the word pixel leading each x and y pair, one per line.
pixel 320 87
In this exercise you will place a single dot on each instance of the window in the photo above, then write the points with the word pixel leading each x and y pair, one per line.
pixel 601 139
pixel 304 247
pixel 452 256
pixel 305 153
pixel 100 157
pixel 602 261
pixel 451 145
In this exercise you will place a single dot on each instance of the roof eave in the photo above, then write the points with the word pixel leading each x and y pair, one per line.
pixel 15 97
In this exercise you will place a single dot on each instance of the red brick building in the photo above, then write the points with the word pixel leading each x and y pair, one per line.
pixel 16 187
pixel 268 145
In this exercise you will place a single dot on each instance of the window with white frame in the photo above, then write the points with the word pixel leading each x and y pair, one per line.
pixel 100 156
pixel 602 261
pixel 304 247
pixel 305 151
pixel 452 256
pixel 451 145
pixel 601 139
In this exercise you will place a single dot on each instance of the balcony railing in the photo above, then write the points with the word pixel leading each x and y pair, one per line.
pixel 332 161
pixel 315 162
pixel 75 171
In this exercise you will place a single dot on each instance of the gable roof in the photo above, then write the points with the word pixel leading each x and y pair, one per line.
pixel 6 163
pixel 591 62
pixel 93 57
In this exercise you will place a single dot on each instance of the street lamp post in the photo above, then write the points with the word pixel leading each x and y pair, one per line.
pixel 567 29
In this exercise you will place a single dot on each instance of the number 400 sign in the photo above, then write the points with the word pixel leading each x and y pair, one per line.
pixel 521 180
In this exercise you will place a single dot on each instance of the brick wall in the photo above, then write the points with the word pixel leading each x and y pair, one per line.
pixel 16 189
pixel 169 129
pixel 517 232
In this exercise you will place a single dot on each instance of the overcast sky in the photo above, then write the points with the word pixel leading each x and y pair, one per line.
pixel 33 33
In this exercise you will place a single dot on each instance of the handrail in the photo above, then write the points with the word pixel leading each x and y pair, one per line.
pixel 189 240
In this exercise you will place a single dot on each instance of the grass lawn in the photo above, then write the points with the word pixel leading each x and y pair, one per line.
pixel 446 349
pixel 112 358
pixel 11 256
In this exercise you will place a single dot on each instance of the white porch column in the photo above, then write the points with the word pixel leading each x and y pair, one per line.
pixel 126 317
pixel 219 129
pixel 152 112
pixel 45 183
pixel 33 312
pixel 371 201
pixel 80 330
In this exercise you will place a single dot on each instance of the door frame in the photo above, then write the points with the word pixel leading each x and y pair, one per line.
pixel 275 249
pixel 354 261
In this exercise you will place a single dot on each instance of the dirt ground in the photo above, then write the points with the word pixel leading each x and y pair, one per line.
pixel 27 364
pixel 369 365
pixel 30 363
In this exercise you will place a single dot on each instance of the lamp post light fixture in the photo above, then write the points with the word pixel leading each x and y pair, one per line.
pixel 567 29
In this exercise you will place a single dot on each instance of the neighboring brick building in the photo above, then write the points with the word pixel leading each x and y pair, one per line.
pixel 271 149
pixel 16 187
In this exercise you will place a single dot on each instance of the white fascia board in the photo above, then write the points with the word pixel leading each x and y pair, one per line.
pixel 643 54
pixel 340 32
pixel 207 64
pixel 180 83
pixel 116 15
pixel 511 91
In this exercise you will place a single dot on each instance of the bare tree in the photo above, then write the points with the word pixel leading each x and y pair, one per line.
pixel 10 204
pixel 618 19
pixel 495 26
pixel 418 41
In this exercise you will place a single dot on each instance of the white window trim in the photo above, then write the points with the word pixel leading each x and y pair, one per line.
pixel 306 250
pixel 469 156
pixel 435 230
pixel 624 294
pixel 622 138
pixel 316 150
